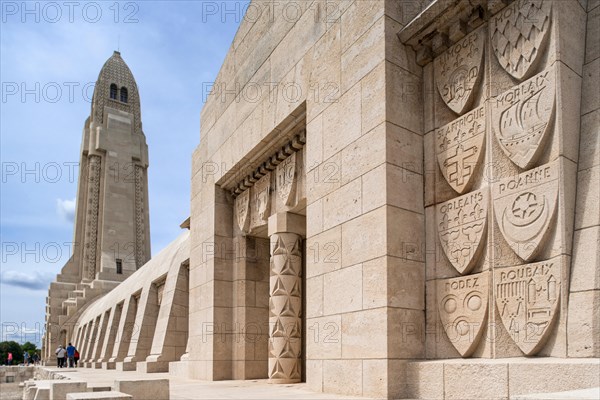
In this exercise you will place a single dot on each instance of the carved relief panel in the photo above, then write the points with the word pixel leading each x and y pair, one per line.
pixel 459 148
pixel 519 34
pixel 462 226
pixel 527 298
pixel 523 116
pixel 242 211
pixel 463 308
pixel 93 206
pixel 525 208
pixel 287 180
pixel 500 183
pixel 260 203
pixel 459 70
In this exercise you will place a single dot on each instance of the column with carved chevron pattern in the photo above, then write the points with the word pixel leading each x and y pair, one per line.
pixel 285 307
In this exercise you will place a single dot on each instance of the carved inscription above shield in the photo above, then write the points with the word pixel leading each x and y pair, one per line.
pixel 519 34
pixel 523 116
pixel 458 71
pixel 527 298
pixel 463 308
pixel 260 203
pixel 286 180
pixel 459 148
pixel 462 223
pixel 525 207
pixel 242 210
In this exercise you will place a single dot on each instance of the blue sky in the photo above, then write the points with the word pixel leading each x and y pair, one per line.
pixel 51 54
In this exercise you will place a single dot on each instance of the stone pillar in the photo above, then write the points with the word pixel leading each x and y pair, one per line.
pixel 285 303
pixel 110 335
pixel 100 336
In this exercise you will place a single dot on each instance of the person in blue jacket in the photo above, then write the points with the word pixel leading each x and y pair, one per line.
pixel 71 355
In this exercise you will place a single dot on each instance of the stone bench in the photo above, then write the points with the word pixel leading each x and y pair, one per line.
pixel 36 390
pixel 98 395
pixel 52 389
pixel 59 390
pixel 144 389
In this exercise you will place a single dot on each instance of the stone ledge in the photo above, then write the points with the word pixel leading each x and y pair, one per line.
pixel 497 378
pixel 98 395
pixel 583 394
pixel 142 389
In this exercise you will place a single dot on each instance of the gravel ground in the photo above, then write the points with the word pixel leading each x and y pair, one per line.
pixel 11 391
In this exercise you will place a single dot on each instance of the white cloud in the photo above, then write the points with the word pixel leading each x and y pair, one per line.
pixel 34 280
pixel 66 209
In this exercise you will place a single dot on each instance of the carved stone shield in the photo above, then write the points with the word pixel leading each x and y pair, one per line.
pixel 458 71
pixel 286 180
pixel 527 298
pixel 525 208
pixel 260 203
pixel 242 210
pixel 459 148
pixel 523 116
pixel 462 223
pixel 463 308
pixel 519 34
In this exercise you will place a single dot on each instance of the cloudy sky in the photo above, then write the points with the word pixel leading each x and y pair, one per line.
pixel 51 54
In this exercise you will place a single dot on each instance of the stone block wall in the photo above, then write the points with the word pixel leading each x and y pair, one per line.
pixel 431 164
pixel 143 323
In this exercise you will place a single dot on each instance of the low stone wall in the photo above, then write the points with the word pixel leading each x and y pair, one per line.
pixel 16 373
pixel 57 385
pixel 42 374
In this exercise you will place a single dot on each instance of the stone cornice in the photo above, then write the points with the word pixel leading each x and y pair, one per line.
pixel 445 22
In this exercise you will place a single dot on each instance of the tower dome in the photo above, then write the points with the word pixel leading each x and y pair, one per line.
pixel 116 88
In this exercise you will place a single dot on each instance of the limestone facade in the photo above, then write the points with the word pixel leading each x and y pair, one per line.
pixel 391 199
pixel 438 181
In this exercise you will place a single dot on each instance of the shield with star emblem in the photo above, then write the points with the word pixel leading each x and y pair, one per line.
pixel 458 71
pixel 462 223
pixel 525 207
pixel 527 298
pixel 519 34
pixel 459 148
pixel 523 117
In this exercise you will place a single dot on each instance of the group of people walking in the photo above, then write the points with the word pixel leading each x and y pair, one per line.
pixel 29 360
pixel 70 353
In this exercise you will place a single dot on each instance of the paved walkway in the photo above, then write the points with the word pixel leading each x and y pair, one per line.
pixel 187 389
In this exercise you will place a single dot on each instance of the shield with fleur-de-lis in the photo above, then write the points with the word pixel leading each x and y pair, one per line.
pixel 462 223
pixel 459 148
pixel 458 71
pixel 519 34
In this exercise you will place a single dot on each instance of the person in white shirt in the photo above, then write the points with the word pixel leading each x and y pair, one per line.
pixel 61 353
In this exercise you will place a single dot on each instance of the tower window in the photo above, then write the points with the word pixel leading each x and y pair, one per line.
pixel 113 91
pixel 124 95
pixel 119 266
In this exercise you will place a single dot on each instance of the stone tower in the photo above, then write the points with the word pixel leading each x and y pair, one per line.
pixel 112 232
pixel 112 224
